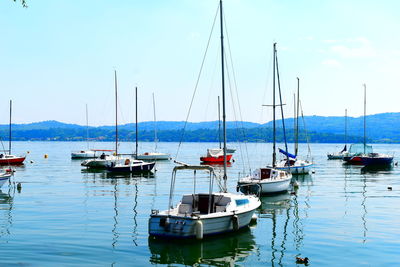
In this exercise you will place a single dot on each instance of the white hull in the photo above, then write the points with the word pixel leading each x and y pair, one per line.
pixel 4 177
pixel 185 227
pixel 273 181
pixel 192 219
pixel 154 156
pixel 83 154
pixel 299 167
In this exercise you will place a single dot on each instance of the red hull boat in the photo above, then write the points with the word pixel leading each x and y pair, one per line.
pixel 219 159
pixel 11 159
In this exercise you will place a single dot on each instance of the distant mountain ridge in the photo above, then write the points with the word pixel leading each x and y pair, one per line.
pixel 381 128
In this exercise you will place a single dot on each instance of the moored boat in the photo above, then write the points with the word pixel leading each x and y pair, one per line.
pixel 199 215
pixel 5 176
pixel 267 180
pixel 131 166
pixel 215 155
pixel 8 158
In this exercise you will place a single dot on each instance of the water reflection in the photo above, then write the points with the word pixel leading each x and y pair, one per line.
pixel 118 182
pixel 376 169
pixel 220 251
pixel 273 207
pixel 6 206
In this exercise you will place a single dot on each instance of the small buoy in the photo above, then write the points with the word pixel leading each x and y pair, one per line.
pixel 302 260
pixel 199 229
pixel 46 156
pixel 313 171
pixel 390 188
pixel 27 152
pixel 396 163
pixel 31 161
pixel 19 186
pixel 114 154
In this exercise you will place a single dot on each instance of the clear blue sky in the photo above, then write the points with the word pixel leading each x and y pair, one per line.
pixel 58 55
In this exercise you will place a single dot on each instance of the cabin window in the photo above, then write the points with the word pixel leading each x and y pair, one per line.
pixel 265 173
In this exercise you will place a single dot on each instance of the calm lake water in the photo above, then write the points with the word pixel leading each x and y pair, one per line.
pixel 66 215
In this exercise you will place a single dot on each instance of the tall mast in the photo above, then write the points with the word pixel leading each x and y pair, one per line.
pixel 365 114
pixel 297 117
pixel 136 124
pixel 345 127
pixel 219 125
pixel 87 127
pixel 9 140
pixel 223 90
pixel 273 116
pixel 116 112
pixel 294 121
pixel 155 123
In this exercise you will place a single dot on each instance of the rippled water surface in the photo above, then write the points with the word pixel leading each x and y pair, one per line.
pixel 65 215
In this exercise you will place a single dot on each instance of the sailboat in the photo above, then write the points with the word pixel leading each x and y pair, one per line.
pixel 269 179
pixel 106 159
pixel 84 154
pixel 131 165
pixel 368 158
pixel 152 155
pixel 342 153
pixel 216 155
pixel 7 158
pixel 199 215
pixel 292 162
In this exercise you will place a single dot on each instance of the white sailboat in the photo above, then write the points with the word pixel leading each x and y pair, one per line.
pixel 292 163
pixel 132 165
pixel 88 153
pixel 267 180
pixel 105 159
pixel 153 155
pixel 343 152
pixel 203 214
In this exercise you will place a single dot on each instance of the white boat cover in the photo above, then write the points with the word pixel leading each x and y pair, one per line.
pixel 215 152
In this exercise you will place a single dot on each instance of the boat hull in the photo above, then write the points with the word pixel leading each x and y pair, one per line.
pixel 12 161
pixel 154 156
pixel 219 159
pixel 83 155
pixel 297 170
pixel 4 177
pixel 353 160
pixel 184 227
pixel 266 186
pixel 335 156
pixel 139 168
pixel 371 161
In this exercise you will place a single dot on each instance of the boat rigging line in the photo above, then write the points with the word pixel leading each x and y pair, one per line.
pixel 197 83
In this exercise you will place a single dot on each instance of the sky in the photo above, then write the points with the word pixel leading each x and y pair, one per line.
pixel 57 56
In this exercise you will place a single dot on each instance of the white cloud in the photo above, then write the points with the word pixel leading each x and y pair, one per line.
pixel 331 63
pixel 355 48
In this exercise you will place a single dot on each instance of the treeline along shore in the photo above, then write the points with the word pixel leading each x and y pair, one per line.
pixel 381 128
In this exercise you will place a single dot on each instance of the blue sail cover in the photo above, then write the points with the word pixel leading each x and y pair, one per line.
pixel 287 153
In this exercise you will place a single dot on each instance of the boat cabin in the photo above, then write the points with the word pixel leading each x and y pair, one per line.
pixel 196 204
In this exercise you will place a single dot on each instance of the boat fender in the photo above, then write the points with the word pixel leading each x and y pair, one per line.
pixel 235 222
pixel 199 229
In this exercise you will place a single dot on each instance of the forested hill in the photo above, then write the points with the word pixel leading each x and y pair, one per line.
pixel 381 128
